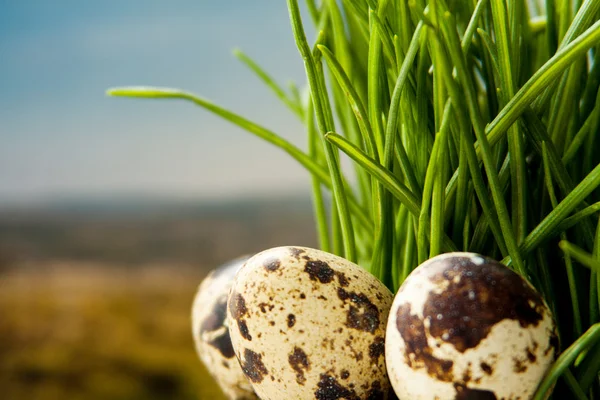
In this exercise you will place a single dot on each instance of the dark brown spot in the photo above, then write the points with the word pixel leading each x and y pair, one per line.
pixel 377 348
pixel 357 355
pixel 375 393
pixel 223 344
pixel 475 299
pixel 519 365
pixel 362 315
pixel 342 279
pixel 417 353
pixel 296 252
pixel 319 271
pixel 487 368
pixel 302 296
pixel 531 356
pixel 253 366
pixel 272 264
pixel 553 345
pixel 291 320
pixel 237 305
pixel 465 393
pixel 344 374
pixel 466 378
pixel 243 327
pixel 217 316
pixel 299 363
pixel 237 308
pixel 264 307
pixel 330 389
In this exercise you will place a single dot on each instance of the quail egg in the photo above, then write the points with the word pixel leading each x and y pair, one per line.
pixel 306 324
pixel 463 326
pixel 211 336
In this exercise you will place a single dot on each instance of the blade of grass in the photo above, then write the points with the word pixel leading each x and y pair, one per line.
pixel 551 28
pixel 457 102
pixel 320 110
pixel 576 390
pixel 270 83
pixel 573 220
pixel 581 256
pixel 438 199
pixel 582 134
pixel 455 51
pixel 353 100
pixel 317 194
pixel 386 41
pixel 590 368
pixel 391 183
pixel 587 340
pixel 394 112
pixel 472 27
pixel 374 88
pixel 547 227
pixel 578 326
pixel 314 11
pixel 515 144
pixel 584 17
pixel 540 80
pixel 263 133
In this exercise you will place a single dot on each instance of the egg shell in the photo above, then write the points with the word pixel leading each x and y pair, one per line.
pixel 306 324
pixel 463 326
pixel 211 336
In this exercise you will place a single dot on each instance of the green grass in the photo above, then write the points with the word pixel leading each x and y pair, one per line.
pixel 473 125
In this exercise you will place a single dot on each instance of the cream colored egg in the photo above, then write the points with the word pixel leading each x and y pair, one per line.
pixel 463 326
pixel 306 324
pixel 211 336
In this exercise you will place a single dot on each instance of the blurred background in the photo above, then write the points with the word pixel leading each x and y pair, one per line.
pixel 113 210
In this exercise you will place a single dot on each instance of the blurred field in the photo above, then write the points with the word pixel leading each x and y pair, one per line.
pixel 96 305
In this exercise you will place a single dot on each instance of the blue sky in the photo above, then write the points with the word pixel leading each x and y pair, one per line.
pixel 62 137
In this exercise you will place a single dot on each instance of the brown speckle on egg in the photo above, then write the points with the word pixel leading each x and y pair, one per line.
pixel 299 363
pixel 465 393
pixel 485 367
pixel 375 392
pixel 223 344
pixel 237 306
pixel 291 320
pixel 296 252
pixel 319 271
pixel 377 348
pixel 272 264
pixel 362 314
pixel 244 331
pixel 217 316
pixel 253 366
pixel 417 353
pixel 475 298
pixel 238 310
pixel 330 389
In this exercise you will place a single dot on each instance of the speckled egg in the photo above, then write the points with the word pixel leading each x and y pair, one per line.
pixel 463 326
pixel 211 336
pixel 306 324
